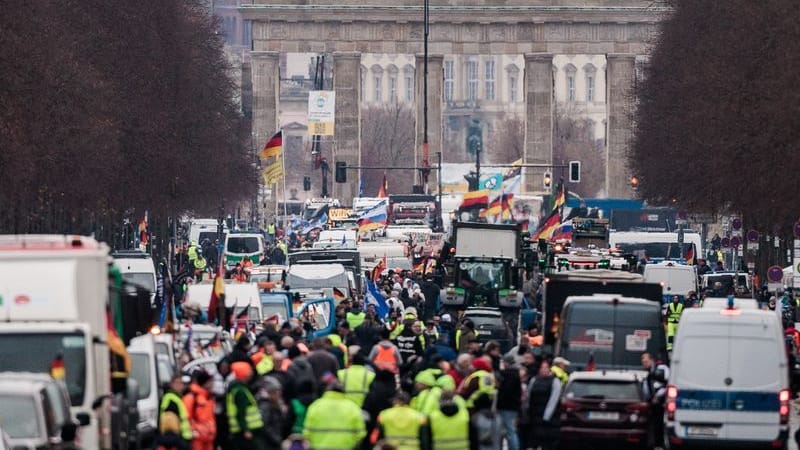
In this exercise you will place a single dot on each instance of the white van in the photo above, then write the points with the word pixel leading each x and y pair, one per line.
pixel 675 279
pixel 729 381
pixel 239 296
pixel 151 372
pixel 239 246
pixel 202 229
pixel 319 280
pixel 137 268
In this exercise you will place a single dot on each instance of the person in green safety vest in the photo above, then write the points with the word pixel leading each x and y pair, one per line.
pixel 172 401
pixel 333 421
pixel 449 423
pixel 357 378
pixel 559 369
pixel 355 316
pixel 402 427
pixel 244 418
pixel 479 382
pixel 674 312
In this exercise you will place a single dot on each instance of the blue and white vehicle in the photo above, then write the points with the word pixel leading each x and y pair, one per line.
pixel 729 383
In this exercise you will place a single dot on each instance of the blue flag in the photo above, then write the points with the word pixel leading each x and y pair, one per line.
pixel 374 297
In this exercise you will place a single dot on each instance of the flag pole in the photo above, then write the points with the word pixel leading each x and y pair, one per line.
pixel 283 165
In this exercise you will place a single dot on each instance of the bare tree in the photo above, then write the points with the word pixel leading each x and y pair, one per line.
pixel 387 139
pixel 508 140
pixel 574 140
pixel 717 128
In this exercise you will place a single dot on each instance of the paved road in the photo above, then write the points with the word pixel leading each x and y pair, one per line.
pixel 794 421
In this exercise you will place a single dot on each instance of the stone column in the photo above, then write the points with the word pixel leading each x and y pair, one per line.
pixel 347 131
pixel 435 92
pixel 538 88
pixel 620 75
pixel 265 73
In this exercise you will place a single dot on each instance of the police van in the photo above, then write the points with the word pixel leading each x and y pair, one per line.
pixel 729 383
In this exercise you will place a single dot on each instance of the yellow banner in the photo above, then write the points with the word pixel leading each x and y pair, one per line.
pixel 338 214
pixel 273 172
pixel 320 128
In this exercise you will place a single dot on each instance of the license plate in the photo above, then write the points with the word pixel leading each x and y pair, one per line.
pixel 602 415
pixel 702 431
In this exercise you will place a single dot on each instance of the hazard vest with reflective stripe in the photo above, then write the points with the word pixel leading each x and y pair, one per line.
pixel 266 365
pixel 355 319
pixel 401 426
pixel 334 422
pixel 386 359
pixel 253 420
pixel 485 385
pixel 183 415
pixel 458 337
pixel 271 228
pixel 675 312
pixel 356 381
pixel 450 432
pixel 427 401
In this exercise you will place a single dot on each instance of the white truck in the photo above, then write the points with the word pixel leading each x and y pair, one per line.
pixel 54 292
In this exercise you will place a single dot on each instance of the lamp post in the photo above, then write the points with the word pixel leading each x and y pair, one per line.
pixel 425 29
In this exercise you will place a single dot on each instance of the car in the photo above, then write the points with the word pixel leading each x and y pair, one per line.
pixel 490 325
pixel 605 408
pixel 33 410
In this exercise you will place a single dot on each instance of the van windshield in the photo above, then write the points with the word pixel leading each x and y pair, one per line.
pixel 142 279
pixel 660 250
pixel 241 244
pixel 615 337
pixel 35 352
pixel 18 416
pixel 299 282
pixel 702 355
pixel 140 371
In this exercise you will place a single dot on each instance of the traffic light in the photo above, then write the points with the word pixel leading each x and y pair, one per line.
pixel 574 171
pixel 306 184
pixel 635 182
pixel 548 180
pixel 341 172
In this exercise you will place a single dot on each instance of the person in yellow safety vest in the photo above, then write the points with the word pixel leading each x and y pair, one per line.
pixel 431 383
pixel 336 341
pixel 430 334
pixel 199 267
pixel 191 252
pixel 481 381
pixel 355 316
pixel 244 418
pixel 401 426
pixel 559 369
pixel 333 421
pixel 674 312
pixel 263 359
pixel 284 249
pixel 449 423
pixel 172 402
pixel 357 378
pixel 465 333
pixel 271 229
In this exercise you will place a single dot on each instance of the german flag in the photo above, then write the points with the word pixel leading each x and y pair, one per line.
pixel 548 226
pixel 475 200
pixel 273 147
pixel 561 196
pixel 57 369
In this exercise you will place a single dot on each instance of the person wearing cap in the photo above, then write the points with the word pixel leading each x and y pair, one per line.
pixel 402 426
pixel 559 369
pixel 173 403
pixel 333 421
pixel 479 382
pixel 357 378
pixel 244 418
pixel 200 405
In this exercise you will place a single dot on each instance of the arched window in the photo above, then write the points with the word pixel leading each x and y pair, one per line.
pixel 392 71
pixel 570 71
pixel 590 74
pixel 377 83
pixel 408 78
pixel 512 72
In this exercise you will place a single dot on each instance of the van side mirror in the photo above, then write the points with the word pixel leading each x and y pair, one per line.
pixel 132 390
pixel 661 376
pixel 83 419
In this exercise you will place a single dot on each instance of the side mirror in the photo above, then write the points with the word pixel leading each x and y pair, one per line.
pixel 660 376
pixel 132 390
pixel 83 419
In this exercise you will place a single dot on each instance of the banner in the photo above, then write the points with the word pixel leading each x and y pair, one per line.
pixel 321 112
pixel 273 172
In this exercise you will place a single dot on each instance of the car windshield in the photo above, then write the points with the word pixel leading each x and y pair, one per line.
pixel 18 416
pixel 140 371
pixel 603 390
pixel 726 281
pixel 35 352
pixel 142 279
pixel 487 275
pixel 299 282
pixel 241 244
